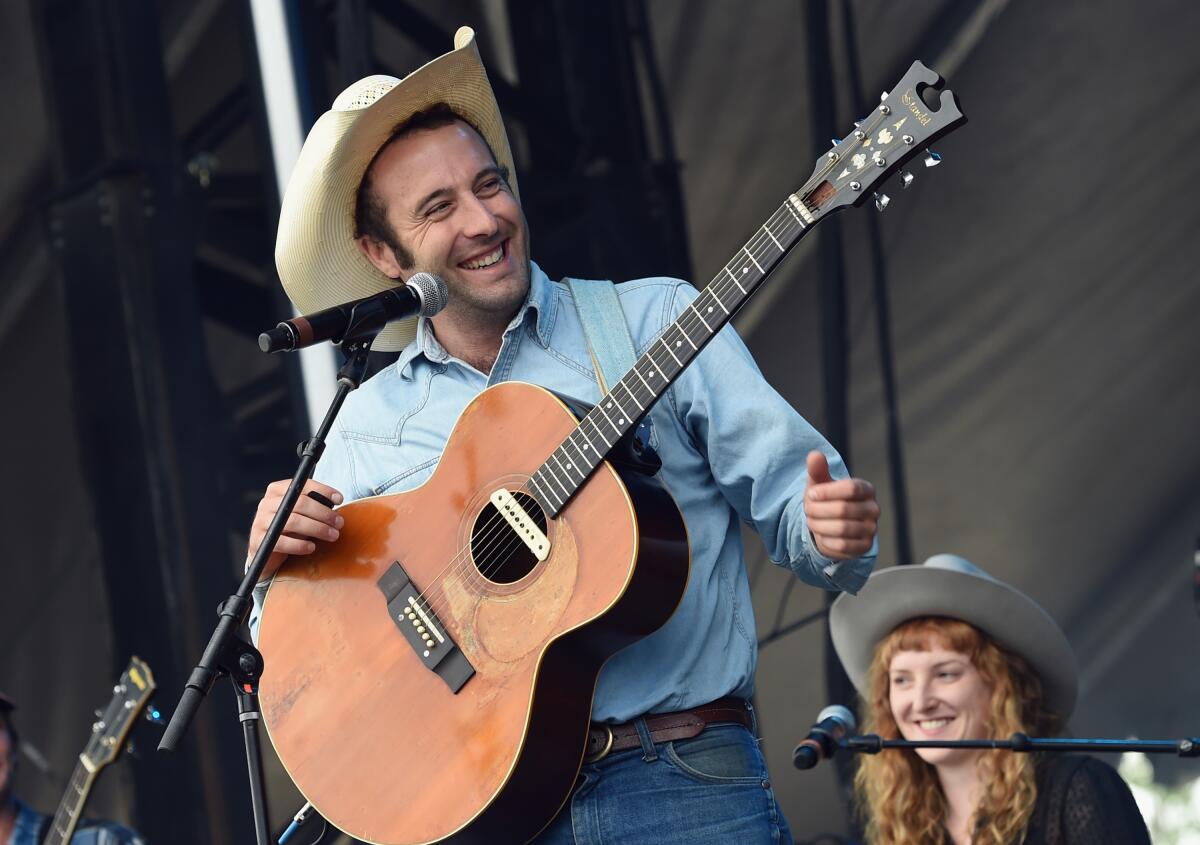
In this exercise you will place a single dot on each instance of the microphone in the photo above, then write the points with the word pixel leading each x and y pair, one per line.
pixel 833 724
pixel 424 294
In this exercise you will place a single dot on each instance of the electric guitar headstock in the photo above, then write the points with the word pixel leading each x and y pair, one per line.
pixel 109 733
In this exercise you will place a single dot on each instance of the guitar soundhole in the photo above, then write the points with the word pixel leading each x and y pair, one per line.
pixel 499 552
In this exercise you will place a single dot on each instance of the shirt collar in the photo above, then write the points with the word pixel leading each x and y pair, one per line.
pixel 541 301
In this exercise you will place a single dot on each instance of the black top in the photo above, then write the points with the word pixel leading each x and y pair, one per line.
pixel 1083 800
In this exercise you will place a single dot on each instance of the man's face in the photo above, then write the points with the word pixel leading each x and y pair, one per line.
pixel 451 210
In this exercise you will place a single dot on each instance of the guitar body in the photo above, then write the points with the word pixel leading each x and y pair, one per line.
pixel 379 743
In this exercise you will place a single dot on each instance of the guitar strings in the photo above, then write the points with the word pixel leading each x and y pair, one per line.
pixel 486 560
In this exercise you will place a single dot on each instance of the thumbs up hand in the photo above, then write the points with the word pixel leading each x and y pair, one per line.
pixel 842 515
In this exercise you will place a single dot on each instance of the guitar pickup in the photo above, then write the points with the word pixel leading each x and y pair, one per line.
pixel 424 631
pixel 521 522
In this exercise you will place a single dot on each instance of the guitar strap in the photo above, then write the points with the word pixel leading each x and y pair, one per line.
pixel 604 326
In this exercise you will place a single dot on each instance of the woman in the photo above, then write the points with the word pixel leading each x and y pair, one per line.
pixel 945 651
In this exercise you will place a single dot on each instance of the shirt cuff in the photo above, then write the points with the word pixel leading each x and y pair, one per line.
pixel 848 575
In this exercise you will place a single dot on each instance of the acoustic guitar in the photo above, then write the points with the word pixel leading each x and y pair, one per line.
pixel 109 733
pixel 430 676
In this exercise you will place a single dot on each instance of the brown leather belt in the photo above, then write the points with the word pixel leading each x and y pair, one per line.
pixel 604 739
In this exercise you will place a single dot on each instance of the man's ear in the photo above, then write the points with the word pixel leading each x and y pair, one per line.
pixel 382 256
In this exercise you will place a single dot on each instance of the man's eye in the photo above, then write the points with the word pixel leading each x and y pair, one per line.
pixel 489 187
pixel 435 210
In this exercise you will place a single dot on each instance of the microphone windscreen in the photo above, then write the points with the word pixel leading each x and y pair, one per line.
pixel 840 714
pixel 432 292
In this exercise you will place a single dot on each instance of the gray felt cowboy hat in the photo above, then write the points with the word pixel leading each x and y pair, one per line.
pixel 318 259
pixel 948 585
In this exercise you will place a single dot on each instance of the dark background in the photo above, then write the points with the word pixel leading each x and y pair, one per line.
pixel 1037 291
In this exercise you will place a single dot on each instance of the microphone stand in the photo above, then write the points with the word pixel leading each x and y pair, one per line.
pixel 227 652
pixel 1019 742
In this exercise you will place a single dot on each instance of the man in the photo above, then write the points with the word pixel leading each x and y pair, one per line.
pixel 21 825
pixel 426 167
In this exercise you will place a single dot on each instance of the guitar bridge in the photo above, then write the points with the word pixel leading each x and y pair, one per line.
pixel 424 631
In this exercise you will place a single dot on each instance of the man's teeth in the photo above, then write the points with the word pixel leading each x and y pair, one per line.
pixel 487 260
pixel 933 724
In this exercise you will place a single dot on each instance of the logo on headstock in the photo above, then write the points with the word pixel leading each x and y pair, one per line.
pixel 910 99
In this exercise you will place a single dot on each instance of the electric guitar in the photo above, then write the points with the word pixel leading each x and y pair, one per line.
pixel 109 733
pixel 430 676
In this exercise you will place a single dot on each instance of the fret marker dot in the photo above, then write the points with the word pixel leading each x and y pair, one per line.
pixel 585 447
pixel 570 466
pixel 679 343
pixel 710 309
pixel 621 422
pixel 745 270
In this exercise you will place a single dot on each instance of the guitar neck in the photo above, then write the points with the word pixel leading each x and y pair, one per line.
pixel 66 818
pixel 619 410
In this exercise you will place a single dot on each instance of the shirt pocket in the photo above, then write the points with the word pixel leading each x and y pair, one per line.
pixel 407 479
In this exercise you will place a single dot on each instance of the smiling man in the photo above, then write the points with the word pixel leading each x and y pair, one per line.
pixel 417 175
pixel 435 199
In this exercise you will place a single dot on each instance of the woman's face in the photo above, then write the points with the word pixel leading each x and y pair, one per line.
pixel 939 694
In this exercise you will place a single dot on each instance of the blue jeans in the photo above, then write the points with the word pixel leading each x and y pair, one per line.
pixel 712 788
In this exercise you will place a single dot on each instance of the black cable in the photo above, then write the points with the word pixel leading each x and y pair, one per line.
pixel 324 830
pixel 782 606
pixel 795 626
pixel 895 450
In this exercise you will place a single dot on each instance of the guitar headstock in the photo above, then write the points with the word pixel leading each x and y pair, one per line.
pixel 110 731
pixel 899 128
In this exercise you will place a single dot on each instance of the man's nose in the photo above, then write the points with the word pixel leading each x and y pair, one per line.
pixel 479 221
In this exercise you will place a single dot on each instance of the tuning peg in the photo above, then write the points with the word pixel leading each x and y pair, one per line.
pixel 132 750
pixel 153 715
pixel 881 201
pixel 883 96
pixel 932 159
pixel 98 712
pixel 906 179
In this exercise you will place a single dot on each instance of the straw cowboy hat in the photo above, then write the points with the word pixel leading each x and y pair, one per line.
pixel 948 585
pixel 318 259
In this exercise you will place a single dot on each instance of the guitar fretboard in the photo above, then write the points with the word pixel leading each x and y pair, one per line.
pixel 71 806
pixel 619 410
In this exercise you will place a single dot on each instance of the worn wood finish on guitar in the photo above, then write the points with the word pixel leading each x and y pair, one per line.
pixel 376 741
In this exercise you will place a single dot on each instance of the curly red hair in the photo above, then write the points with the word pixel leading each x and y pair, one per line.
pixel 899 793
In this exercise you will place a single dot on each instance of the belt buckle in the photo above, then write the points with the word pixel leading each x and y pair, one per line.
pixel 603 752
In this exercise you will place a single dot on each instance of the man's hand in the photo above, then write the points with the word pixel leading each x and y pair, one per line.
pixel 842 514
pixel 309 521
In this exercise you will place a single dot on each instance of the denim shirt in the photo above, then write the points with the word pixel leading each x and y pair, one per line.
pixel 732 450
pixel 29 822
